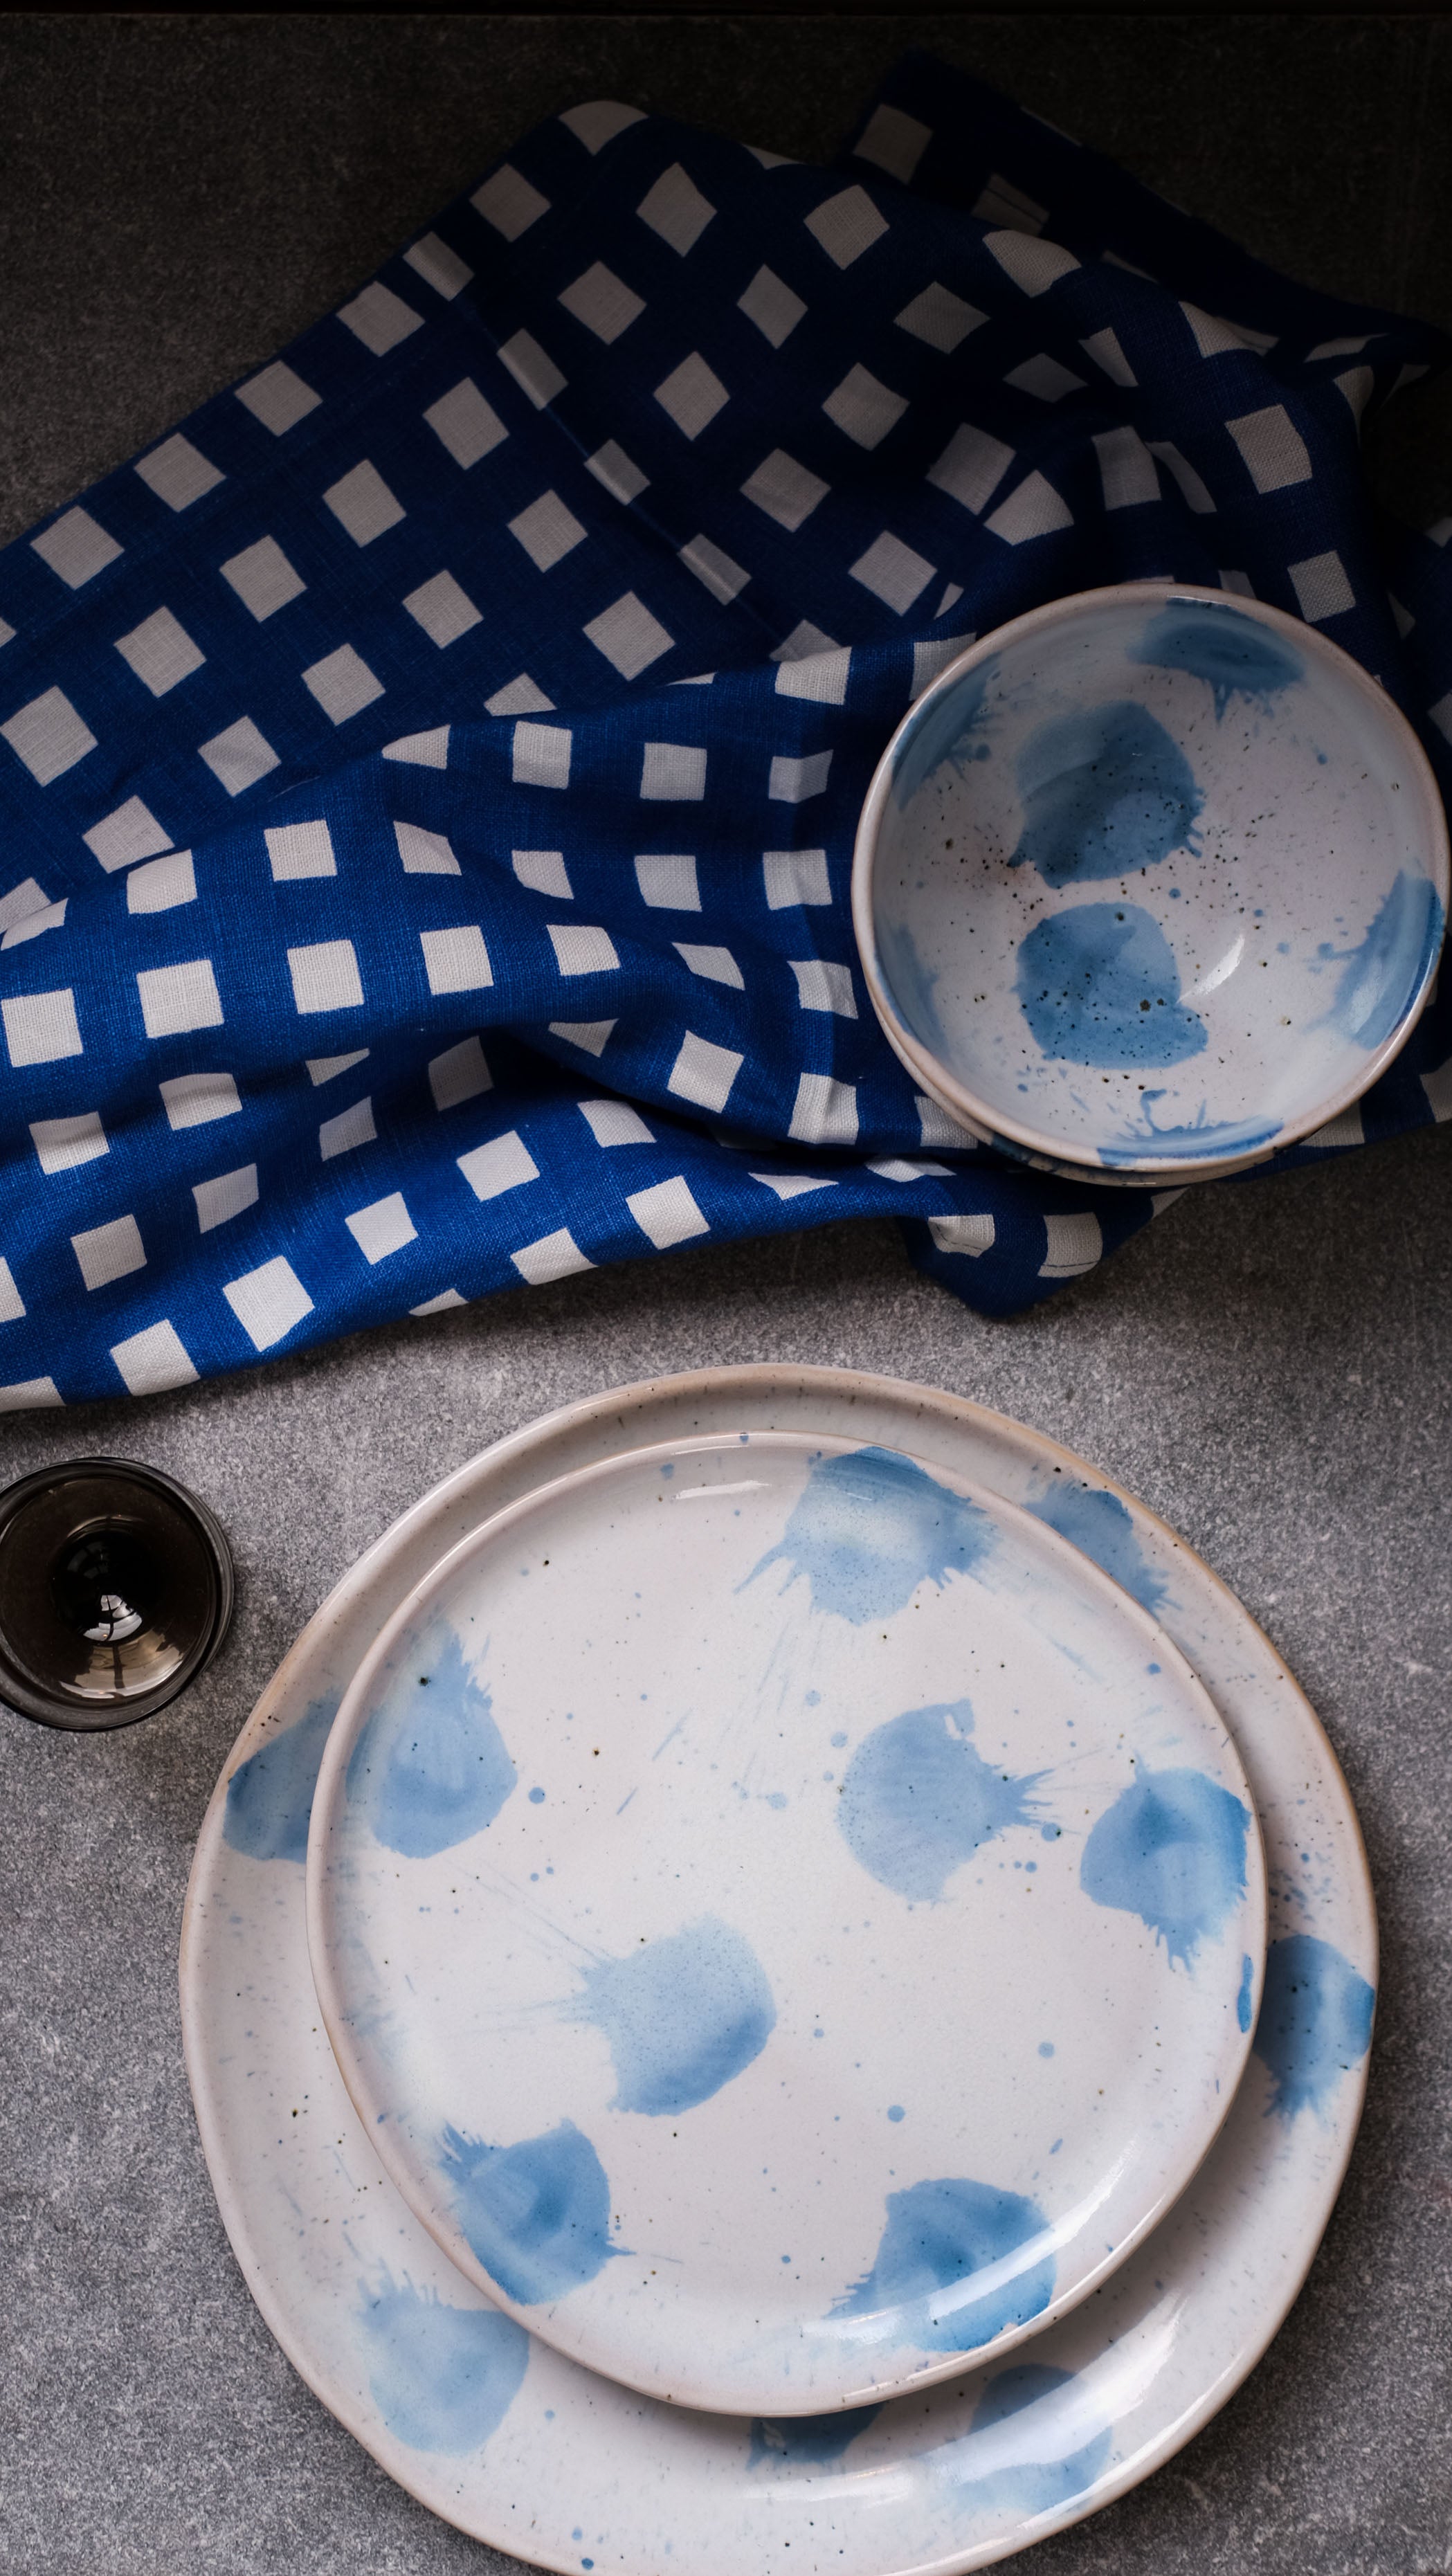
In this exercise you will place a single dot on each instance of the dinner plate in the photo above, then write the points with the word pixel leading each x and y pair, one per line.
pixel 787 1919
pixel 525 2450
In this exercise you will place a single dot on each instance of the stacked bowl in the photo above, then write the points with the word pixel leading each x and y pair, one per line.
pixel 780 1980
pixel 1151 884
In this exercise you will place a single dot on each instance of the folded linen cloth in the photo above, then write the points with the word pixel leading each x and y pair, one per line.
pixel 431 773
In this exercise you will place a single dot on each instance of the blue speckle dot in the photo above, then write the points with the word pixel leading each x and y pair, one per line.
pixel 667 1470
pixel 786 2258
pixel 1050 1833
pixel 577 2534
pixel 814 1700
pixel 1174 894
pixel 1054 2149
pixel 1046 2048
pixel 1152 1668
pixel 895 2111
pixel 840 1738
pixel 1029 1867
pixel 536 1797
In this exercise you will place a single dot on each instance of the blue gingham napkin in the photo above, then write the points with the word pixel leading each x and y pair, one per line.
pixel 429 776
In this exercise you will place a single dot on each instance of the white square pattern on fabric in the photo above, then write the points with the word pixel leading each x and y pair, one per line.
pixel 263 578
pixel 178 473
pixel 776 440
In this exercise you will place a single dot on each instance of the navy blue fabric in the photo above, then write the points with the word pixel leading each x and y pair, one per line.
pixel 429 778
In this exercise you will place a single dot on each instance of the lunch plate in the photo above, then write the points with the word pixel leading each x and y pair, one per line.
pixel 528 2451
pixel 787 1919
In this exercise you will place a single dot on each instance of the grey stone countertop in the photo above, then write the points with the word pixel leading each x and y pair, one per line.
pixel 1268 1366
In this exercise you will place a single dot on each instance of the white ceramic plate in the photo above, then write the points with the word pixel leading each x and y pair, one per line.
pixel 525 2450
pixel 786 1918
pixel 1150 881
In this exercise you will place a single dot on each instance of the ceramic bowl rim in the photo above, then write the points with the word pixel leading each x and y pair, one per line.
pixel 1193 2146
pixel 938 1080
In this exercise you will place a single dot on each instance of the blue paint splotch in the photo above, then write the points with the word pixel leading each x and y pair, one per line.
pixel 1099 985
pixel 1205 1140
pixel 430 1768
pixel 270 1795
pixel 1380 979
pixel 1245 1998
pixel 1315 2022
pixel 938 2236
pixel 918 1799
pixel 807 2441
pixel 682 2015
pixel 1171 1849
pixel 949 732
pixel 1104 792
pixel 1232 653
pixel 537 2214
pixel 1052 2411
pixel 1100 1526
pixel 443 2379
pixel 870 1527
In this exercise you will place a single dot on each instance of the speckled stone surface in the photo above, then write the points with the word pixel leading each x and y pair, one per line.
pixel 1270 1366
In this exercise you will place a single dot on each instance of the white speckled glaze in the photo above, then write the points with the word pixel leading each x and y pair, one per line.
pixel 1149 883
pixel 526 2451
pixel 787 1919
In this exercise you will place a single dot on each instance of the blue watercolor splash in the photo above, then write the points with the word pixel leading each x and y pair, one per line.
pixel 537 2214
pixel 270 1795
pixel 1171 1849
pixel 1315 2022
pixel 683 2015
pixel 1099 985
pixel 1104 792
pixel 1100 1527
pixel 1380 978
pixel 870 1527
pixel 1234 655
pixel 807 2441
pixel 938 2235
pixel 430 1767
pixel 1206 1141
pixel 1027 2486
pixel 443 2378
pixel 1245 1999
pixel 918 1799
pixel 949 730
pixel 911 985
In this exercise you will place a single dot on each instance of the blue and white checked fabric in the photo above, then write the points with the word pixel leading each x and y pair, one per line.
pixel 431 773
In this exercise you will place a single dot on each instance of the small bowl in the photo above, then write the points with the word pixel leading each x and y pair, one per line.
pixel 1150 883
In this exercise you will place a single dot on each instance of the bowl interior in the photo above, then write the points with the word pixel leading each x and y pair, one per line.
pixel 1156 881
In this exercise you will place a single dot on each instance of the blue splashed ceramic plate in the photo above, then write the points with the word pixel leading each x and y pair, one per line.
pixel 1150 882
pixel 788 1919
pixel 486 2425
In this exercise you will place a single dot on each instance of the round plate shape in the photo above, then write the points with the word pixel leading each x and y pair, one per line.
pixel 787 1918
pixel 1151 881
pixel 521 2449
